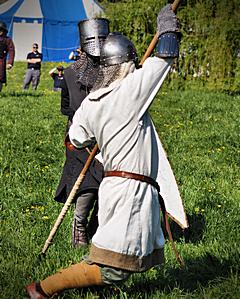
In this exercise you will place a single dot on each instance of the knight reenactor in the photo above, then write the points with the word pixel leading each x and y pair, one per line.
pixel 129 237
pixel 7 53
pixel 76 85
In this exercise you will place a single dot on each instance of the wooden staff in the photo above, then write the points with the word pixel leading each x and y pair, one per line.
pixel 91 157
pixel 70 199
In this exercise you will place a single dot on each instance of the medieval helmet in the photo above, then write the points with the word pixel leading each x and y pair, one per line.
pixel 117 49
pixel 93 33
pixel 3 27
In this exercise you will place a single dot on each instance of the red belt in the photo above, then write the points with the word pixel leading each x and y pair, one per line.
pixel 151 181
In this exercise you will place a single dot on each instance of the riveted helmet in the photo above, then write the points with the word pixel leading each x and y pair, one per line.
pixel 3 27
pixel 117 49
pixel 93 33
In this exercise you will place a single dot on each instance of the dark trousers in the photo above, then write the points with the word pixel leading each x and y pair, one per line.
pixel 84 205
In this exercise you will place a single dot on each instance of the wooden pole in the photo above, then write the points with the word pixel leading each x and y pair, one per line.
pixel 69 199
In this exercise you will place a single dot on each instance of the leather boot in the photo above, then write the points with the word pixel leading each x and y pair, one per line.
pixel 84 205
pixel 34 291
pixel 79 235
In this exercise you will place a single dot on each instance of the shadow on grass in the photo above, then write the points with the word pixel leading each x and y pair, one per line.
pixel 197 273
pixel 232 92
pixel 30 93
pixel 193 234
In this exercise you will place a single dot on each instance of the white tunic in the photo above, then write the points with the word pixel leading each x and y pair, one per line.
pixel 117 119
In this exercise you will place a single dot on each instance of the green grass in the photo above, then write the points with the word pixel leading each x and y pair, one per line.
pixel 200 131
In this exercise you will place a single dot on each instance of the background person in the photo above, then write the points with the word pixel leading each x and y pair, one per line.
pixel 7 53
pixel 33 71
pixel 77 83
pixel 57 77
pixel 75 54
pixel 129 237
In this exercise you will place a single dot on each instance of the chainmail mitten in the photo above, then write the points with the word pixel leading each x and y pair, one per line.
pixel 167 20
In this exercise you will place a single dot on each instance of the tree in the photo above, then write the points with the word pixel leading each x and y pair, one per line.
pixel 210 47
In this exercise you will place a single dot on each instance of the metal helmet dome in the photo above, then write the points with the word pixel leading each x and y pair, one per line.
pixel 117 49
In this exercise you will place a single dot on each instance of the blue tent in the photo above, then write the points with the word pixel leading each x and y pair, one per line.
pixel 50 23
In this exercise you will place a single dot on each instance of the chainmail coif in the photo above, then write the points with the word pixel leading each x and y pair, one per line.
pixel 86 69
pixel 109 74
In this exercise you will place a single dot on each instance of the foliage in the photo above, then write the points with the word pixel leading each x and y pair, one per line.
pixel 210 46
pixel 200 132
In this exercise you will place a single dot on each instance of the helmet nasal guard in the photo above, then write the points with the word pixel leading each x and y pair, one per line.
pixel 93 33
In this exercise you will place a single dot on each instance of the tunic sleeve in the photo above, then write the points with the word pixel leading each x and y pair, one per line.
pixel 142 85
pixel 79 132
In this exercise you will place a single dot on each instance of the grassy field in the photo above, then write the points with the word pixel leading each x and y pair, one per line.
pixel 200 131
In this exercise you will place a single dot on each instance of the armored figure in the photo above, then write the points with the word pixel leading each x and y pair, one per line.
pixel 129 237
pixel 77 83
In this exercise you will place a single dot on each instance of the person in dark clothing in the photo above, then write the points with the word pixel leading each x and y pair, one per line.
pixel 33 71
pixel 7 53
pixel 76 85
pixel 57 77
